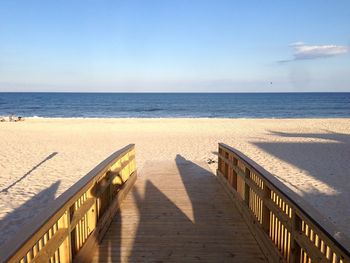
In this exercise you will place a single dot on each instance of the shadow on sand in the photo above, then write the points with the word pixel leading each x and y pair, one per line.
pixel 13 221
pixel 5 190
pixel 325 161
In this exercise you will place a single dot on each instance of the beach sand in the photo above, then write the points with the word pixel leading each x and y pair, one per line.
pixel 41 158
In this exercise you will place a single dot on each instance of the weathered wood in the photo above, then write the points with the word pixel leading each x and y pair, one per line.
pixel 283 214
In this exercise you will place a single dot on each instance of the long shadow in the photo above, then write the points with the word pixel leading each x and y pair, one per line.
pixel 13 221
pixel 110 249
pixel 324 178
pixel 189 220
pixel 329 135
pixel 160 233
pixel 199 182
pixel 5 190
pixel 215 218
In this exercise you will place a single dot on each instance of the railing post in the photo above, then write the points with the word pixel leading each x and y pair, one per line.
pixel 65 251
pixel 219 159
pixel 246 186
pixel 295 248
pixel 266 211
pixel 226 170
pixel 92 214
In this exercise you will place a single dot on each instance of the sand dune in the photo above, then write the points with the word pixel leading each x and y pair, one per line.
pixel 41 158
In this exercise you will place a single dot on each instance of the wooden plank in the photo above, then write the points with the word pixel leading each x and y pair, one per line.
pixel 81 211
pixel 266 217
pixel 282 216
pixel 314 253
pixel 260 192
pixel 178 212
pixel 51 247
pixel 294 246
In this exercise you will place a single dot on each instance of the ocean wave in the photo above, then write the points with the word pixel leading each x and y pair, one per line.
pixel 33 108
pixel 35 117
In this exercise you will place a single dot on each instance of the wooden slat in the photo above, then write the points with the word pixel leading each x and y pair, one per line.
pixel 283 217
pixel 81 211
pixel 308 246
pixel 51 247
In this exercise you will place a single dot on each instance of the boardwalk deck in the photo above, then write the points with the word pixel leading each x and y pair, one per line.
pixel 178 212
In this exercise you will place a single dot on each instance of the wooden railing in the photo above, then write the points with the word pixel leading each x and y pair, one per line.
pixel 275 215
pixel 76 222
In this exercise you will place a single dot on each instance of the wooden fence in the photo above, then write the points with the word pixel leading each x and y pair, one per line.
pixel 71 228
pixel 285 231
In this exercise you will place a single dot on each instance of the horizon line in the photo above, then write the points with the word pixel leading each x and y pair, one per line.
pixel 177 92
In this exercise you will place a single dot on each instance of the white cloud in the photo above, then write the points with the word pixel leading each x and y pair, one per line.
pixel 303 51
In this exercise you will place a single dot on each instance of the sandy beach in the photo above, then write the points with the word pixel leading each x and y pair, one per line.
pixel 41 158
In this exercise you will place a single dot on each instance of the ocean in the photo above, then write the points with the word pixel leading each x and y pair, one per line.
pixel 187 105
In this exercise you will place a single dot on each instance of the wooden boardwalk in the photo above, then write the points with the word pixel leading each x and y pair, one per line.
pixel 178 212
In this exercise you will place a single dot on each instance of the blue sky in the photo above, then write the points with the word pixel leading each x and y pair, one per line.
pixel 174 45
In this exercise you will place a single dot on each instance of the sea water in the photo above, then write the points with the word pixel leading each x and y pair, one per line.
pixel 188 105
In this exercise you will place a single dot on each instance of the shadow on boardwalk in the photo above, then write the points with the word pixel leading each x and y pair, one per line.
pixel 178 218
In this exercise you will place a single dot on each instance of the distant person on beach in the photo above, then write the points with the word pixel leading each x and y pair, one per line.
pixel 12 118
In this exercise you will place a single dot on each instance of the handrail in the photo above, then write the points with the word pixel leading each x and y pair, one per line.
pixel 287 229
pixel 78 219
